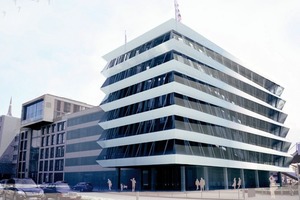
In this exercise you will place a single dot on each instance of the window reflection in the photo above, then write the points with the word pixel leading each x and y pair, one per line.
pixel 33 111
pixel 249 89
pixel 229 115
pixel 139 87
pixel 175 146
pixel 144 47
pixel 139 68
pixel 232 98
pixel 256 78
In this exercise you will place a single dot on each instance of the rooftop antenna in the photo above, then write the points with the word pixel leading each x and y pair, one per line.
pixel 177 12
pixel 9 108
pixel 125 45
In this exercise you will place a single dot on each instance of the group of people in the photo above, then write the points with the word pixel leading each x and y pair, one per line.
pixel 200 184
pixel 133 184
pixel 237 185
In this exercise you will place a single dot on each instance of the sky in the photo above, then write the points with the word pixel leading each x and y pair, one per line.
pixel 56 46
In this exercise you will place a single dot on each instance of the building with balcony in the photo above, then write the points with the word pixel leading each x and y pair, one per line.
pixel 180 108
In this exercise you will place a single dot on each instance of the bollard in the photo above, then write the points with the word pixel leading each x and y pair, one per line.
pixel 137 195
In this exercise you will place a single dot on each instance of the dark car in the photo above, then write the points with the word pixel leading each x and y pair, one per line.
pixel 60 191
pixel 83 187
pixel 21 189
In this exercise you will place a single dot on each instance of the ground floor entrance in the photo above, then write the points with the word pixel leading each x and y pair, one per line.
pixel 186 178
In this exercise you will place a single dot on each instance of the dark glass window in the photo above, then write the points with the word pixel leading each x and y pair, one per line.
pixel 142 86
pixel 154 125
pixel 256 78
pixel 232 98
pixel 231 134
pixel 144 47
pixel 58 105
pixel 230 115
pixel 47 153
pixel 147 105
pixel 41 165
pixel 51 165
pixel 42 154
pixel 46 165
pixel 139 68
pixel 190 148
pixel 59 165
pixel 67 107
pixel 51 152
pixel 33 111
pixel 249 89
pixel 85 118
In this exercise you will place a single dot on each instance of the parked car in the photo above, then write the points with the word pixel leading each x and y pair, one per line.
pixel 60 191
pixel 83 187
pixel 21 189
pixel 1 189
pixel 2 186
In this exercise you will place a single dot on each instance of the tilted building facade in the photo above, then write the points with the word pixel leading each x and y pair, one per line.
pixel 178 108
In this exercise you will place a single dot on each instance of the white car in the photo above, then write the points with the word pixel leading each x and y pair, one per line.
pixel 2 186
pixel 22 189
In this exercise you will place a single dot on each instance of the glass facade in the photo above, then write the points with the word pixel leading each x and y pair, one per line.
pixel 220 93
pixel 33 111
pixel 144 47
pixel 210 100
pixel 166 147
pixel 256 78
pixel 82 150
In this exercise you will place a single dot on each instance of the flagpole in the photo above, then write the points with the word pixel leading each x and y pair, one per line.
pixel 125 35
pixel 177 12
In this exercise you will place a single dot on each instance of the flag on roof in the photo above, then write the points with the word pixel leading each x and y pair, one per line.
pixel 177 12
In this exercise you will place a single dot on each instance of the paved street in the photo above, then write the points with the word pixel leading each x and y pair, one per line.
pixel 207 195
pixel 258 194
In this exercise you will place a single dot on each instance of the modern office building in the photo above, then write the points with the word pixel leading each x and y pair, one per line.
pixel 179 107
pixel 82 150
pixel 42 137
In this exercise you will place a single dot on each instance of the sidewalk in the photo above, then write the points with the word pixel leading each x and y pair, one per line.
pixel 206 195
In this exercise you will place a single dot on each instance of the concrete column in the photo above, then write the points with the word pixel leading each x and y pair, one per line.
pixel 256 179
pixel 153 179
pixel 279 180
pixel 225 178
pixel 206 178
pixel 182 175
pixel 243 178
pixel 118 178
